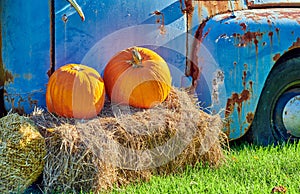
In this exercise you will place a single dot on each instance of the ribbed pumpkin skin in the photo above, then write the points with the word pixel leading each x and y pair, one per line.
pixel 75 91
pixel 143 86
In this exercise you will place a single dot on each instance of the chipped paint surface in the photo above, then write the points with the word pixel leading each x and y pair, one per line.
pixel 191 68
pixel 197 12
pixel 245 48
pixel 295 44
pixel 25 54
pixel 217 81
pixel 236 101
pixel 248 38
pixel 207 9
pixel 249 117
pixel 276 56
pixel 187 8
pixel 160 20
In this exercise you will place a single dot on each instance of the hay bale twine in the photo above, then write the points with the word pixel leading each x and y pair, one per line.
pixel 22 152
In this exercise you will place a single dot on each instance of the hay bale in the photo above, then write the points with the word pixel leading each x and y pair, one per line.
pixel 126 144
pixel 22 152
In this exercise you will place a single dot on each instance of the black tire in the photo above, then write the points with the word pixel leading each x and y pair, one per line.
pixel 283 83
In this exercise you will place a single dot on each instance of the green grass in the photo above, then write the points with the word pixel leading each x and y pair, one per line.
pixel 249 169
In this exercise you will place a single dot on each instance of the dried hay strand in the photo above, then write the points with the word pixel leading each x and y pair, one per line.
pixel 124 144
pixel 22 152
pixel 70 166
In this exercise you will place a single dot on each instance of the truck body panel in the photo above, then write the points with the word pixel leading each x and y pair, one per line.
pixel 25 30
pixel 245 49
pixel 223 51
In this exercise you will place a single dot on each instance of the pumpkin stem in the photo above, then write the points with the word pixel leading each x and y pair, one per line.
pixel 136 58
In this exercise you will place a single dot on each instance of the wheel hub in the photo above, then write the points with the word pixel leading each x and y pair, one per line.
pixel 291 116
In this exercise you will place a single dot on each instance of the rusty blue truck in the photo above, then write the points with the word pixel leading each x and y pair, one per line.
pixel 241 58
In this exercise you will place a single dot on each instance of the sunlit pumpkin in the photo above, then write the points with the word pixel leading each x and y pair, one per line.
pixel 138 77
pixel 76 91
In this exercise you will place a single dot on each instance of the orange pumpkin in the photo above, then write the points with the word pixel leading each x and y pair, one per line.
pixel 75 90
pixel 138 77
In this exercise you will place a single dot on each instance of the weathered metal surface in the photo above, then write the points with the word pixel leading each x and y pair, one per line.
pixel 196 12
pixel 295 44
pixel 111 26
pixel 25 53
pixel 244 48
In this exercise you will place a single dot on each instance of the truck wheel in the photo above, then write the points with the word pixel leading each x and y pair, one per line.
pixel 277 118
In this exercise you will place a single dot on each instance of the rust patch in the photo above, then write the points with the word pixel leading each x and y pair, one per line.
pixel 244 26
pixel 248 38
pixel 187 9
pixel 235 35
pixel 236 99
pixel 206 33
pixel 192 68
pixel 291 14
pixel 161 20
pixel 257 15
pixel 249 117
pixel 277 33
pixel 276 57
pixel 295 44
pixel 8 76
pixel 5 75
pixel 271 37
pixel 32 102
pixel 215 7
pixel 250 3
pixel 49 72
pixel 11 100
pixel 244 78
pixel 251 86
pixel 19 108
pixel 256 45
